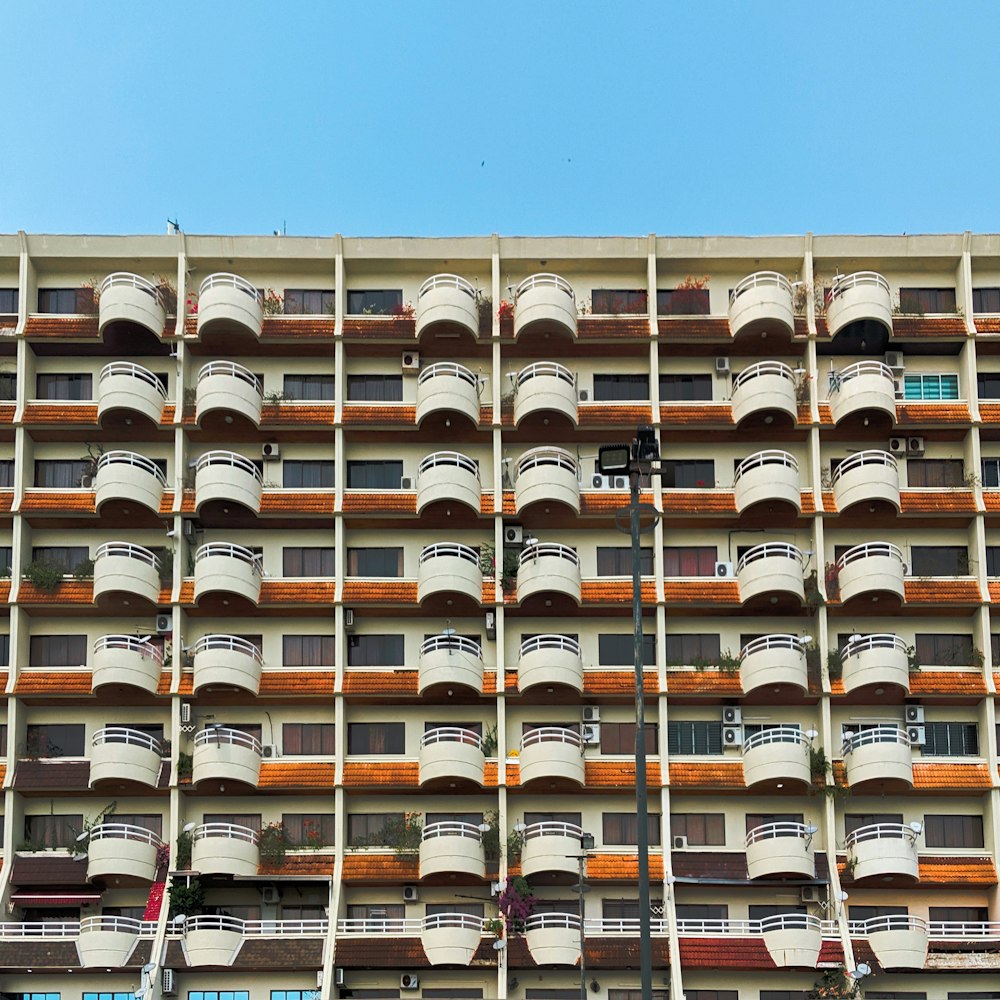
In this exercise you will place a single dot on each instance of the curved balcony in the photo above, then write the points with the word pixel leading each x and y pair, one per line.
pixel 865 387
pixel 226 660
pixel 108 941
pixel 761 302
pixel 778 754
pixel 548 567
pixel 547 475
pixel 126 659
pixel 446 301
pixel 767 477
pixel 551 753
pixel 793 939
pixel 224 568
pixel 128 298
pixel 866 477
pixel 222 754
pixel 898 940
pixel 872 568
pixel 123 567
pixel 544 303
pixel 449 568
pixel 550 847
pixel 122 851
pixel 226 388
pixel 882 753
pixel 452 848
pixel 450 659
pixel 553 938
pixel 550 659
pixel 451 938
pixel 129 478
pixel 780 849
pixel 227 477
pixel 545 387
pixel 861 299
pixel 121 754
pixel 771 568
pixel 451 753
pixel 881 850
pixel 212 939
pixel 224 849
pixel 765 388
pixel 772 660
pixel 230 301
pixel 447 387
pixel 875 659
pixel 448 477
pixel 123 385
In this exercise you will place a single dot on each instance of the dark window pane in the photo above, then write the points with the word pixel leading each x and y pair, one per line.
pixel 309 387
pixel 375 651
pixel 375 737
pixel 375 562
pixel 379 302
pixel 364 829
pixel 988 384
pixel 935 472
pixel 309 475
pixel 701 829
pixel 619 738
pixel 65 386
pixel 8 385
pixel 690 560
pixel 951 739
pixel 682 388
pixel 986 300
pixel 61 474
pixel 953 831
pixel 309 301
pixel 618 650
pixel 58 651
pixel 616 560
pixel 374 475
pixel 623 828
pixel 311 561
pixel 375 388
pixel 687 474
pixel 314 739
pixel 613 388
pixel 54 740
pixel 943 649
pixel 682 301
pixel 926 300
pixel 991 473
pixel 309 829
pixel 939 560
pixel 8 301
pixel 52 830
pixel 58 300
pixel 615 302
pixel 67 556
pixel 692 649
pixel 308 650
pixel 7 473
pixel 694 738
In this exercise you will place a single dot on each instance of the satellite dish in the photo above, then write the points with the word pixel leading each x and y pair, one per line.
pixel 140 993
pixel 916 826
pixel 80 856
pixel 188 827
pixel 145 638
pixel 179 920
pixel 149 967
pixel 449 631
pixel 82 837
pixel 810 829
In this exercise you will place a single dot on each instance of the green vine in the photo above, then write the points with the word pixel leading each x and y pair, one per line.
pixel 44 576
pixel 188 898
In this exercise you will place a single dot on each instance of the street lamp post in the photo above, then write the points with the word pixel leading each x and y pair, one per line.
pixel 586 844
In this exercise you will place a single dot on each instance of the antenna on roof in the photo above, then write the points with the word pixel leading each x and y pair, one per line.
pixel 173 227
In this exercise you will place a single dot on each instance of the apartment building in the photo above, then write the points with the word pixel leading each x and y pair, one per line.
pixel 317 654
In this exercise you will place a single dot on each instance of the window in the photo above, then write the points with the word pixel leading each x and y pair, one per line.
pixel 615 301
pixel 8 385
pixel 153 822
pixel 6 558
pixel 376 911
pixel 375 388
pixel 871 912
pixel 376 737
pixel 54 740
pixel 619 737
pixel 689 560
pixel 571 818
pixel 316 474
pixel 250 820
pixel 307 561
pixel 616 560
pixel 623 828
pixel 692 649
pixel 104 994
pixel 65 300
pixel 309 829
pixel 783 995
pixel 984 300
pixel 67 556
pixel 991 473
pixel 895 994
pixel 218 995
pixel 3 739
pixel 958 914
pixel 309 302
pixel 78 385
pixel 57 650
pixel 701 829
pixel 926 300
pixel 686 474
pixel 308 739
pixel 939 472
pixel 307 650
pixel 618 650
pixel 685 388
pixel 691 738
pixel 682 301
pixel 612 388
pixel 621 994
pixel 953 831
pixel 375 562
pixel 627 909
pixel 6 473
pixel 309 387
pixel 374 475
pixel 951 739
pixel 61 474
pixel 374 301
pixel 854 821
pixel 993 560
pixel 375 651
pixel 939 560
pixel 30 996
pixel 943 649
pixel 364 829
pixel 930 387
pixel 712 994
pixel 988 385
pixel 8 301
pixel 52 830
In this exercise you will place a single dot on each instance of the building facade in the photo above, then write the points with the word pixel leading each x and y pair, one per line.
pixel 317 660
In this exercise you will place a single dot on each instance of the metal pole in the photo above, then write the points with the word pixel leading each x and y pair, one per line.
pixel 583 940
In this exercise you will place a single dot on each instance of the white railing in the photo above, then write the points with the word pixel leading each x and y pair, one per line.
pixel 229 737
pixel 776 734
pixel 772 831
pixel 40 929
pixel 398 926
pixel 843 282
pixel 454 550
pixel 451 829
pixel 231 642
pixel 446 281
pixel 452 644
pixel 127 549
pixel 462 921
pixel 546 456
pixel 551 368
pixel 878 640
pixel 763 368
pixel 861 458
pixel 771 279
pixel 213 922
pixel 118 925
pixel 762 458
pixel 968 930
pixel 867 549
pixel 837 379
pixel 124 831
pixel 125 279
pixel 768 550
pixel 876 734
pixel 562 643
pixel 744 928
pixel 540 550
pixel 551 734
pixel 131 458
pixel 232 459
pixel 223 279
pixel 889 922
pixel 552 921
pixel 285 928
pixel 544 280
pixel 133 371
pixel 231 551
pixel 231 831
pixel 448 368
pixel 551 828
pixel 623 925
pixel 777 641
pixel 881 831
pixel 451 734
pixel 129 643
pixel 233 370
pixel 450 458
pixel 131 737
pixel 791 922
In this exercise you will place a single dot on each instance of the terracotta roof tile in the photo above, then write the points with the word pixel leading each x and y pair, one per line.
pixel 297 774
pixel 825 413
pixel 395 773
pixel 297 502
pixel 294 327
pixel 706 774
pixel 987 324
pixel 697 414
pixel 607 502
pixel 948 776
pixel 989 413
pixel 62 682
pixel 4 591
pixel 621 867
pixel 615 414
pixel 701 591
pixel 801 326
pixel 937 501
pixel 486 413
pixel 51 775
pixel 167 501
pixel 380 868
pixel 380 591
pixel 615 592
pixel 297 414
pixel 709 682
pixel 486 503
pixel 187 592
pixel 309 863
pixel 966 871
pixel 163 686
pixel 509 502
pixel 395 415
pixel 942 591
pixel 928 682
pixel 391 502
pixel 63 412
pixel 68 592
pixel 297 592
pixel 389 682
pixel 708 501
pixel 63 327
pixel 599 682
pixel 932 413
pixel 7 413
pixel 803 414
pixel 380 327
pixel 297 682
pixel 623 952
pixel 808 502
pixel 381 952
pixel 59 500
pixel 167 416
pixel 694 328
pixel 3 777
pixel 618 773
pixel 991 500
pixel 612 327
pixel 913 327
pixel 725 952
pixel 513 772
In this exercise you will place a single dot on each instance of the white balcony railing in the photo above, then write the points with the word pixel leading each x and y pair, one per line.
pixel 126 736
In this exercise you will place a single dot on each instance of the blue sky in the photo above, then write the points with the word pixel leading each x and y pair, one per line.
pixel 544 117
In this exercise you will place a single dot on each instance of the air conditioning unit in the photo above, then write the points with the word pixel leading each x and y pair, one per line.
pixel 87 482
pixel 185 712
pixel 722 366
pixel 269 750
pixel 680 843
pixel 270 896
pixel 491 624
pixel 513 534
pixel 618 482
pixel 411 361
pixel 349 619
pixel 591 713
pixel 915 446
pixel 914 712
pixel 168 982
pixel 164 624
pixel 592 734
pixel 338 977
pixel 732 715
pixel 917 734
pixel 724 570
pixel 409 981
pixel 809 893
pixel 410 894
pixel 600 482
pixel 406 483
pixel 894 359
pixel 583 395
pixel 270 449
pixel 897 446
pixel 732 736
